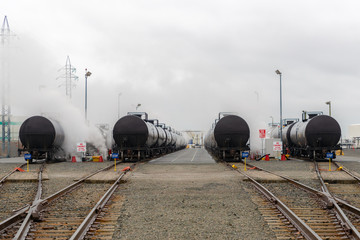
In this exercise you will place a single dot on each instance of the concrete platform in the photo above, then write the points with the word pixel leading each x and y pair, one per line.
pixel 109 176
pixel 260 176
pixel 26 176
pixel 105 177
pixel 13 160
pixel 337 177
pixel 186 156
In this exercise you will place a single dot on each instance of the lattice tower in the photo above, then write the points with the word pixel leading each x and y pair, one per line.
pixel 69 76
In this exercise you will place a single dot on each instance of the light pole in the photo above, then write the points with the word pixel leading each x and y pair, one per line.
pixel 119 105
pixel 272 120
pixel 87 74
pixel 279 73
pixel 329 103
pixel 137 106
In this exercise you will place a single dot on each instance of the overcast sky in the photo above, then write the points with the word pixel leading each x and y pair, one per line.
pixel 186 61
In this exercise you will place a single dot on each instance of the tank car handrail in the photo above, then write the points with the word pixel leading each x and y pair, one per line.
pixel 162 125
pixel 291 120
pixel 153 121
pixel 139 113
pixel 226 113
pixel 309 113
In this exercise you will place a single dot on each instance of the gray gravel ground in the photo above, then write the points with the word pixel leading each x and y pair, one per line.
pixel 352 152
pixel 189 202
pixel 352 166
pixel 63 174
pixel 69 211
pixel 291 168
pixel 301 171
pixel 15 195
pixel 5 168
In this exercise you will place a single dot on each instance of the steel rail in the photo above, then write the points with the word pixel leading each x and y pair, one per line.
pixel 25 226
pixel 14 219
pixel 82 230
pixel 72 186
pixel 21 213
pixel 323 195
pixel 332 202
pixel 347 171
pixel 37 206
pixel 84 227
pixel 345 222
pixel 299 224
pixel 2 180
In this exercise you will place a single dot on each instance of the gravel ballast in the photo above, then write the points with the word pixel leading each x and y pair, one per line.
pixel 188 202
pixel 60 175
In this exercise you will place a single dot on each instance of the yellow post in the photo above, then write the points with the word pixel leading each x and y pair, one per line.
pixel 245 165
pixel 329 164
pixel 28 165
pixel 115 164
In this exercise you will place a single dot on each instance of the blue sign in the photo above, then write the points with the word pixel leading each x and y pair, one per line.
pixel 27 156
pixel 244 154
pixel 329 155
pixel 114 155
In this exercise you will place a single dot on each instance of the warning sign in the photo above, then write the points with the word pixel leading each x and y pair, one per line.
pixel 81 147
pixel 277 146
pixel 262 133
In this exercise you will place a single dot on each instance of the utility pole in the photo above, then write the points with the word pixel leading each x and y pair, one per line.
pixel 5 79
pixel 70 77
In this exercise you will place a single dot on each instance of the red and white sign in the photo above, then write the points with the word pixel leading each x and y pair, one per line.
pixel 81 147
pixel 262 133
pixel 277 146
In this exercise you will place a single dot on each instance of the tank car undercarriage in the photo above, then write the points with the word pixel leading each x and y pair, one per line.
pixel 141 153
pixel 228 154
pixel 56 154
pixel 314 153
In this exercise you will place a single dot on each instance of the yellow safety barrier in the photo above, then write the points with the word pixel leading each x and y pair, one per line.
pixel 97 158
pixel 339 152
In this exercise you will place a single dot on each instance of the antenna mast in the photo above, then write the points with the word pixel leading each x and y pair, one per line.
pixel 69 75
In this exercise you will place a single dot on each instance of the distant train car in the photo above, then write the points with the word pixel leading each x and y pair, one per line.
pixel 41 137
pixel 312 137
pixel 137 137
pixel 228 137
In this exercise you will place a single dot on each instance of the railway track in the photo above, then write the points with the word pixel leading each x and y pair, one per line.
pixel 65 213
pixel 280 215
pixel 319 210
pixel 8 227
pixel 61 218
pixel 16 194
pixel 4 178
pixel 344 189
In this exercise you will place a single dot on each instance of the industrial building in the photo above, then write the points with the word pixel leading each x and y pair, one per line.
pixel 15 124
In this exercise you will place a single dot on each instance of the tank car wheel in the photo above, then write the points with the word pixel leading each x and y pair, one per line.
pixel 49 156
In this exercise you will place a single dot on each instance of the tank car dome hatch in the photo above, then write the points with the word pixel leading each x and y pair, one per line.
pixel 231 131
pixel 40 132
